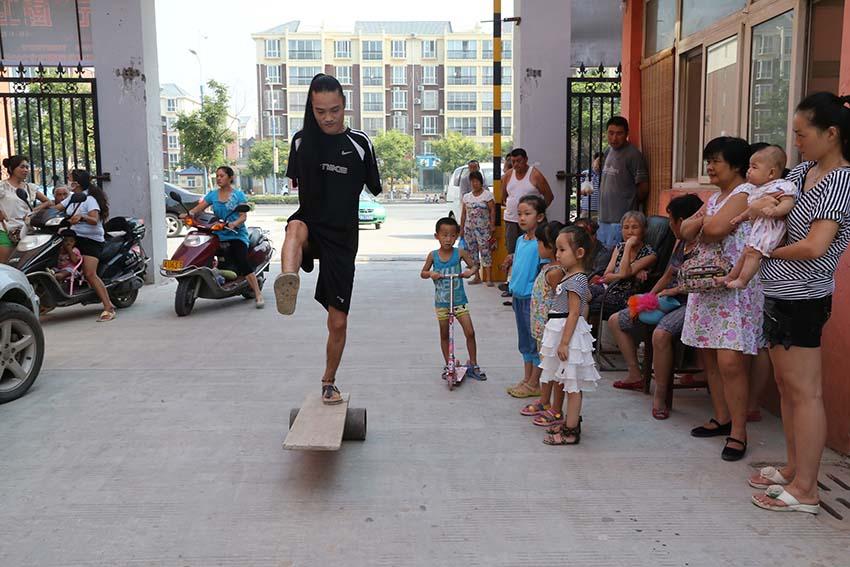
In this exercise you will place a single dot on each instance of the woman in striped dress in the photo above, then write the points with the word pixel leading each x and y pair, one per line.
pixel 798 282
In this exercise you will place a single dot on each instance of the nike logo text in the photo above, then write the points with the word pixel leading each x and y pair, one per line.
pixel 346 153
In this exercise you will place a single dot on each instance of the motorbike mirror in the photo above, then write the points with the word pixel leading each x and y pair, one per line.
pixel 176 196
pixel 77 198
pixel 242 209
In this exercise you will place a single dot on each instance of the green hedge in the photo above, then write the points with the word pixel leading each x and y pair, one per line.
pixel 273 199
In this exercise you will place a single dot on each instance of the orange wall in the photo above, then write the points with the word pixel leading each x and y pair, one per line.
pixel 632 53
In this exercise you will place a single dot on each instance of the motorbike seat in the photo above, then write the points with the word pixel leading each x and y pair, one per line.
pixel 110 249
pixel 254 236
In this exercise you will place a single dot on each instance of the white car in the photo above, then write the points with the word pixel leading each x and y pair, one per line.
pixel 21 337
pixel 453 188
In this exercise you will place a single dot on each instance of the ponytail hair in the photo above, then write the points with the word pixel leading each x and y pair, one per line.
pixel 311 132
pixel 83 179
pixel 826 110
pixel 11 163
pixel 579 238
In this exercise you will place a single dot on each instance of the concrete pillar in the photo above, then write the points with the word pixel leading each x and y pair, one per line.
pixel 125 60
pixel 632 56
pixel 541 67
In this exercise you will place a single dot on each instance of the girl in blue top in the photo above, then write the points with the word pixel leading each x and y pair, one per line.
pixel 224 202
pixel 440 263
pixel 525 264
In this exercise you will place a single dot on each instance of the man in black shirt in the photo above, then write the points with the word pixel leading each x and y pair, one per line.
pixel 330 164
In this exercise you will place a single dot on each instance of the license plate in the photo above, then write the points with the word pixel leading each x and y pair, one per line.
pixel 365 217
pixel 172 265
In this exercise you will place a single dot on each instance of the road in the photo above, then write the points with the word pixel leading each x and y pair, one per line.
pixel 407 234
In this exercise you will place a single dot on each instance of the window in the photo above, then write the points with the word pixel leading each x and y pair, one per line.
pixel 429 49
pixel 173 159
pixel 699 14
pixel 272 48
pixel 690 148
pixel 461 75
pixel 824 50
pixel 297 102
pixel 305 49
pixel 429 126
pixel 770 90
pixel 342 49
pixel 507 49
pixel 427 147
pixel 274 125
pixel 721 72
pixel 373 102
pixel 487 49
pixel 373 76
pixel 399 99
pixel 461 101
pixel 302 75
pixel 373 126
pixel 506 125
pixel 400 122
pixel 462 49
pixel 343 74
pixel 170 122
pixel 429 75
pixel 399 75
pixel 349 97
pixel 506 100
pixel 399 49
pixel 173 142
pixel 465 126
pixel 274 100
pixel 430 100
pixel 171 104
pixel 190 181
pixel 507 75
pixel 487 126
pixel 487 100
pixel 373 50
pixel 487 75
pixel 273 74
pixel 295 124
pixel 660 25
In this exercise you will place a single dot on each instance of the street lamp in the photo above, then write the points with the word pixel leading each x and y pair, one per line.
pixel 273 128
pixel 200 73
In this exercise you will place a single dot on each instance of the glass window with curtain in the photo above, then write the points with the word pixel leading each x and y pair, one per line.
pixel 429 49
pixel 373 102
pixel 660 26
pixel 373 50
pixel 343 74
pixel 721 92
pixel 700 14
pixel 373 76
pixel 689 146
pixel 429 126
pixel 770 82
pixel 430 100
pixel 429 75
pixel 823 65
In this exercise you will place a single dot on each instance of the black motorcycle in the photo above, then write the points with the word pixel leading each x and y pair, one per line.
pixel 122 266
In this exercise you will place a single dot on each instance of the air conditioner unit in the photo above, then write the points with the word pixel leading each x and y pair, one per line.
pixel 416 126
pixel 417 101
pixel 442 112
pixel 421 88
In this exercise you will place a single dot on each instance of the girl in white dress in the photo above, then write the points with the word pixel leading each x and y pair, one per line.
pixel 566 350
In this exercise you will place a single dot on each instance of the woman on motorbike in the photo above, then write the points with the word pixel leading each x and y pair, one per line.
pixel 87 219
pixel 14 209
pixel 224 202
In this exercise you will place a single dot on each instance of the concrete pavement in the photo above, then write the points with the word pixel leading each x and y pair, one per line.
pixel 155 440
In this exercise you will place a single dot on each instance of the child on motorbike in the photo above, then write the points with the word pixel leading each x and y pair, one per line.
pixel 70 258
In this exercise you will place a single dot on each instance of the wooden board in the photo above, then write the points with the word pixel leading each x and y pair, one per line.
pixel 318 426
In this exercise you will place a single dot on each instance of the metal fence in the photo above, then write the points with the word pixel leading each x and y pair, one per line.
pixel 50 116
pixel 592 99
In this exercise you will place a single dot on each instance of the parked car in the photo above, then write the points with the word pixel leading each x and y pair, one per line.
pixel 22 348
pixel 453 187
pixel 173 224
pixel 371 211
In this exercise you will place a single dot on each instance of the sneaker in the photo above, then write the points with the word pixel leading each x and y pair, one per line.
pixel 286 292
pixel 506 293
pixel 474 371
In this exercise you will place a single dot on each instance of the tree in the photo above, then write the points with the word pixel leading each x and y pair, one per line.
pixel 260 159
pixel 394 151
pixel 204 133
pixel 456 150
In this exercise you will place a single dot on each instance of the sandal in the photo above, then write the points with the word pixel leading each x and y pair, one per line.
pixel 286 292
pixel 560 428
pixel 663 413
pixel 549 418
pixel 330 394
pixel 523 390
pixel 789 502
pixel 533 410
pixel 106 316
pixel 771 475
pixel 561 437
pixel 623 385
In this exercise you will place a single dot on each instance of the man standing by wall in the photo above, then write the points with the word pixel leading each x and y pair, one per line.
pixel 625 181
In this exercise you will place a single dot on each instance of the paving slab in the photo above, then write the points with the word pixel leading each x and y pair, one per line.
pixel 155 440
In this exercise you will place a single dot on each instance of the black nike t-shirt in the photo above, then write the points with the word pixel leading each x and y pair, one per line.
pixel 347 163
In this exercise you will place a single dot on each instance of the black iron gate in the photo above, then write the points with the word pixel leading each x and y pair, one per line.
pixel 592 99
pixel 50 116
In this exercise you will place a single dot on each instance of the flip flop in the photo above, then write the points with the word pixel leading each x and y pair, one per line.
pixel 286 292
pixel 107 316
pixel 533 410
pixel 772 475
pixel 523 391
pixel 623 385
pixel 660 413
pixel 777 492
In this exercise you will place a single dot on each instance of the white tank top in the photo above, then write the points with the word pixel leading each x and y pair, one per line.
pixel 517 189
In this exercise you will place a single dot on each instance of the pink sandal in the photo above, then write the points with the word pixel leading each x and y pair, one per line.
pixel 533 410
pixel 549 418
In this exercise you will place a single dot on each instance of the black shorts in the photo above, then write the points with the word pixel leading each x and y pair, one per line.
pixel 512 234
pixel 235 254
pixel 797 323
pixel 336 250
pixel 89 247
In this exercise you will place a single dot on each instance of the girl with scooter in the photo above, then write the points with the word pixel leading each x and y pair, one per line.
pixel 224 202
pixel 87 219
pixel 14 208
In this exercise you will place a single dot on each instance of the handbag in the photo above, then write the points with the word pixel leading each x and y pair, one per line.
pixel 704 266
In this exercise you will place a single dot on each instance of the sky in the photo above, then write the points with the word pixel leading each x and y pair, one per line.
pixel 220 31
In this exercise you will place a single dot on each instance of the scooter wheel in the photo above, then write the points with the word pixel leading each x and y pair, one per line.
pixel 355 425
pixel 184 299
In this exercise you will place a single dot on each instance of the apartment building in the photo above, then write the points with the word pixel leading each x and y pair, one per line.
pixel 173 101
pixel 419 77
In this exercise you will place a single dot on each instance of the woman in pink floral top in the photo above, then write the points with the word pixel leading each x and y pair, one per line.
pixel 725 323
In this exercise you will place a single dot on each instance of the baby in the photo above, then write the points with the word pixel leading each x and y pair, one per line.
pixel 768 231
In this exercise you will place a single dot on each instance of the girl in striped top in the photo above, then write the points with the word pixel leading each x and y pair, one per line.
pixel 798 282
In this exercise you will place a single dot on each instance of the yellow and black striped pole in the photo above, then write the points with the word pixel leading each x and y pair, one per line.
pixel 501 251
